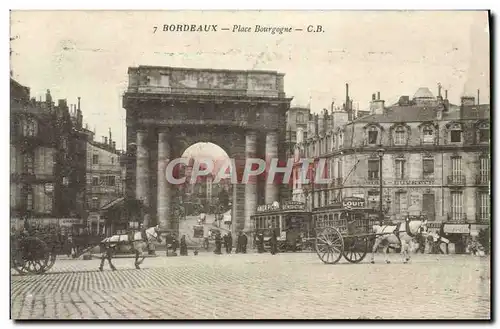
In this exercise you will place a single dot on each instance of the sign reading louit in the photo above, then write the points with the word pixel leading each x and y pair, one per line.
pixel 353 203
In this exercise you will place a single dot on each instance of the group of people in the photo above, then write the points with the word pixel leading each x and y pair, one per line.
pixel 227 239
pixel 273 242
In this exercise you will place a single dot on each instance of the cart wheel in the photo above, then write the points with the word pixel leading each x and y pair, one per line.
pixel 51 262
pixel 355 249
pixel 329 245
pixel 31 257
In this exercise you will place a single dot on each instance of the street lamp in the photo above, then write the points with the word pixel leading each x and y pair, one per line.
pixel 380 153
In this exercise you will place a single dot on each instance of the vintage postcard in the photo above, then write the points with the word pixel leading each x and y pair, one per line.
pixel 250 165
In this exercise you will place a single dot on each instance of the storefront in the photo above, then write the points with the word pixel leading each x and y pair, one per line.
pixel 458 234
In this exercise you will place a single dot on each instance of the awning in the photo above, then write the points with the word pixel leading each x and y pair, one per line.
pixel 475 228
pixel 456 228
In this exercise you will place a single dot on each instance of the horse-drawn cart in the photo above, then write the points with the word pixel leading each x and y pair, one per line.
pixel 344 231
pixel 34 251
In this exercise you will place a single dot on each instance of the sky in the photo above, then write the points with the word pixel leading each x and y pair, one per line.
pixel 87 54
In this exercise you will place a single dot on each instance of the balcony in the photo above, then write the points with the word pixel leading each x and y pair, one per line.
pixel 456 180
pixel 339 181
pixel 482 218
pixel 483 180
pixel 459 218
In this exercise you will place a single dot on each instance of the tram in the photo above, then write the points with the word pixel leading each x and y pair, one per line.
pixel 290 221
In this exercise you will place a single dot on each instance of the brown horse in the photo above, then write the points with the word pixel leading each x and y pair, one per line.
pixel 136 243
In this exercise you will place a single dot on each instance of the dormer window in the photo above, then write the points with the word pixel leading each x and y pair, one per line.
pixel 400 136
pixel 341 139
pixel 29 127
pixel 300 118
pixel 372 136
pixel 456 133
pixel 428 135
pixel 484 132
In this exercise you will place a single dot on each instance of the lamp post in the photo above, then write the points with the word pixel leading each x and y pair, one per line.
pixel 380 153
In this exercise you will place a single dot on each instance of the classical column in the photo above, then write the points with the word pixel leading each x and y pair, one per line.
pixel 164 188
pixel 271 153
pixel 251 186
pixel 142 171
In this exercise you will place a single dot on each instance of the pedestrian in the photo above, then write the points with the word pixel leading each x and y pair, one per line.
pixel 238 243
pixel 184 250
pixel 274 242
pixel 218 244
pixel 260 242
pixel 229 243
pixel 244 242
pixel 224 241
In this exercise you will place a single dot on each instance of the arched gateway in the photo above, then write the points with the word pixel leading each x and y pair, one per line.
pixel 169 109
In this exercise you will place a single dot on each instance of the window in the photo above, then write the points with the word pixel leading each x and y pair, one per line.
pixel 110 180
pixel 112 160
pixel 456 166
pixel 300 117
pixel 29 163
pixel 484 169
pixel 305 135
pixel 428 168
pixel 95 181
pixel 484 206
pixel 400 136
pixel 484 133
pixel 29 127
pixel 457 206
pixel 400 202
pixel 428 135
pixel 95 159
pixel 456 133
pixel 456 136
pixel 372 136
pixel 373 169
pixel 95 203
pixel 339 170
pixel 28 198
pixel 400 168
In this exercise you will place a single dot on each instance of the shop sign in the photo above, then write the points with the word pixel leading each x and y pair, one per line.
pixel 293 205
pixel 456 228
pixel 268 207
pixel 69 221
pixel 353 203
pixel 401 182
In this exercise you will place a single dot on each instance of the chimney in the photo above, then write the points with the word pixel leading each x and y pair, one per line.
pixel 79 116
pixel 78 103
pixel 347 94
pixel 114 145
pixel 378 95
pixel 377 105
pixel 478 97
pixel 446 94
pixel 439 89
pixel 110 140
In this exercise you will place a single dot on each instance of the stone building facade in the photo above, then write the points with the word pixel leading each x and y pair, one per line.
pixel 435 159
pixel 47 152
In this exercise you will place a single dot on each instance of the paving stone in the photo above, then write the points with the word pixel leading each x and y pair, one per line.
pixel 251 286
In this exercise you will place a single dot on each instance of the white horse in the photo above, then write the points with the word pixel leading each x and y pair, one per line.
pixel 125 245
pixel 397 235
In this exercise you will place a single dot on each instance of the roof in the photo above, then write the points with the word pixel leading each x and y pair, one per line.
pixel 423 92
pixel 413 113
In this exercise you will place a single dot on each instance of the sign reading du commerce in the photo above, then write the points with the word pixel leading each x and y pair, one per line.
pixel 353 203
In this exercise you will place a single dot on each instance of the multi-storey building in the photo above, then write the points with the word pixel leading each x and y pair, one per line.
pixel 432 158
pixel 47 158
pixel 104 177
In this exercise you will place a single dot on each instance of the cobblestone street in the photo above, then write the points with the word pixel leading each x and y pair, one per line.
pixel 253 286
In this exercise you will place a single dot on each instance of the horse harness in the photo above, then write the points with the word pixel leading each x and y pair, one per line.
pixel 397 230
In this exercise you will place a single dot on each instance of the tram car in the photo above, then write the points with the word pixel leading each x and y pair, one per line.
pixel 290 221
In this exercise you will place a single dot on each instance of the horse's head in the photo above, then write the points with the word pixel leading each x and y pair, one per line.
pixel 154 232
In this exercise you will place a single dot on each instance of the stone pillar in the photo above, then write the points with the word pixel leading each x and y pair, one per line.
pixel 251 186
pixel 271 153
pixel 164 195
pixel 142 171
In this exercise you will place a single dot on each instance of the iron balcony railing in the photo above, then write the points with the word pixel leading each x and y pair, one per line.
pixel 483 179
pixel 483 218
pixel 457 217
pixel 456 180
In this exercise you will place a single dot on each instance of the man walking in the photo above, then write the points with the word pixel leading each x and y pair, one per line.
pixel 229 243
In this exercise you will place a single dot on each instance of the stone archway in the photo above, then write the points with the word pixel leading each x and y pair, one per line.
pixel 169 109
